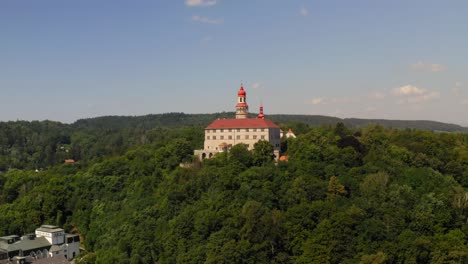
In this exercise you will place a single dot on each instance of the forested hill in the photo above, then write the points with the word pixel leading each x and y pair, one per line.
pixel 36 145
pixel 372 195
pixel 182 119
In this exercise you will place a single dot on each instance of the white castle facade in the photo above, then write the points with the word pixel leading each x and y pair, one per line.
pixel 222 134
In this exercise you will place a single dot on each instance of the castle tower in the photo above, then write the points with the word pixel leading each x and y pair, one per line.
pixel 242 108
pixel 260 114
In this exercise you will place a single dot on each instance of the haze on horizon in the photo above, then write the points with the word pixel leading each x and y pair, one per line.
pixel 66 60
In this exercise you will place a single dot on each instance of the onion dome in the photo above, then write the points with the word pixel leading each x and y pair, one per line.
pixel 241 91
pixel 261 115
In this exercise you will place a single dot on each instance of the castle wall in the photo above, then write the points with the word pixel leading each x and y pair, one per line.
pixel 232 136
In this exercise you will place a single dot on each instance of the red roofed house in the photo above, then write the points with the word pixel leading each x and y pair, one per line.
pixel 222 134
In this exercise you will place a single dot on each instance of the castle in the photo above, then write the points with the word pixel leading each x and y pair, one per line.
pixel 222 134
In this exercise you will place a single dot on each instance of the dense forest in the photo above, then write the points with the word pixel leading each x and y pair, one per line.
pixel 182 119
pixel 345 195
pixel 39 145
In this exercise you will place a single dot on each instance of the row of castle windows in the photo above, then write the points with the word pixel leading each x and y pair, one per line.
pixel 230 130
pixel 248 145
pixel 237 137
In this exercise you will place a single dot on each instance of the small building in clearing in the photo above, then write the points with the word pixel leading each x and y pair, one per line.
pixel 48 241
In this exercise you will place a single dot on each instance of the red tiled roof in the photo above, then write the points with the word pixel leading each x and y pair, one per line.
pixel 242 123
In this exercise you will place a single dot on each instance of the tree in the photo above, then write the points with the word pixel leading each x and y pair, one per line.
pixel 377 258
pixel 341 130
pixel 374 186
pixel 263 153
pixel 241 154
pixel 335 188
pixel 450 248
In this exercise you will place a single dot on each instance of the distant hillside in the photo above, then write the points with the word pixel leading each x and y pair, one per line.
pixel 32 145
pixel 402 124
pixel 182 119
pixel 315 120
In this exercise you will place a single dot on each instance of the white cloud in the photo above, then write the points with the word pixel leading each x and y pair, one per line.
pixel 344 100
pixel 317 101
pixel 413 94
pixel 303 11
pixel 200 2
pixel 256 85
pixel 333 100
pixel 428 67
pixel 425 97
pixel 206 20
pixel 408 90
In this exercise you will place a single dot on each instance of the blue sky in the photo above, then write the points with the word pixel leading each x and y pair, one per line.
pixel 399 59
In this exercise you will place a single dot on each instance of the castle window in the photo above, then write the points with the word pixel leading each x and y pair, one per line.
pixel 246 136
pixel 221 130
pixel 263 129
pixel 207 131
pixel 254 130
pixel 263 137
pixel 246 130
pixel 230 130
pixel 255 137
pixel 208 137
pixel 238 130
pixel 214 137
pixel 237 137
pixel 230 137
pixel 222 137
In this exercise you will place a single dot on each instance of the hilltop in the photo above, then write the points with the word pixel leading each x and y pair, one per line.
pixel 41 144
pixel 367 195
pixel 182 119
